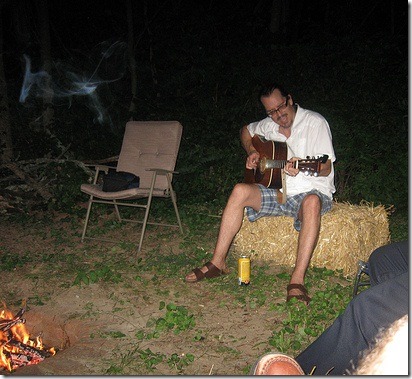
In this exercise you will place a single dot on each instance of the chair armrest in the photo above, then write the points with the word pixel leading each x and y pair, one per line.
pixel 100 168
pixel 102 161
pixel 104 168
pixel 162 171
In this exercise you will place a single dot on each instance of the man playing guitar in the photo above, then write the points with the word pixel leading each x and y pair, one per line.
pixel 303 197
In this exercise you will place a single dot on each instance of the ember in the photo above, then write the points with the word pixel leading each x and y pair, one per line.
pixel 16 347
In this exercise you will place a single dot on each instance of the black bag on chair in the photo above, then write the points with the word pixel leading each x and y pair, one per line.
pixel 118 181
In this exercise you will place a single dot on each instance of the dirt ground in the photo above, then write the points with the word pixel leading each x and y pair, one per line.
pixel 79 320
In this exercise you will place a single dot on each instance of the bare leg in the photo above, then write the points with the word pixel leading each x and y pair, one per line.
pixel 309 214
pixel 243 195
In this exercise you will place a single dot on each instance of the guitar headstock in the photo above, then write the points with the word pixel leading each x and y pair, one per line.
pixel 311 166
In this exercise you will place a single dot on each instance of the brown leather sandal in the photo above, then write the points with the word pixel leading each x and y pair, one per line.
pixel 212 272
pixel 276 364
pixel 304 297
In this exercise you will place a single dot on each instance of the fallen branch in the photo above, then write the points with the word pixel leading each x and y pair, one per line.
pixel 33 183
pixel 25 172
pixel 36 163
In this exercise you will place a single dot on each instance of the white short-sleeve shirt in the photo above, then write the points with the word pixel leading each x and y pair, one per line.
pixel 310 136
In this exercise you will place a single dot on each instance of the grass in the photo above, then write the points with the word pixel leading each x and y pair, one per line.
pixel 176 320
pixel 117 266
pixel 399 225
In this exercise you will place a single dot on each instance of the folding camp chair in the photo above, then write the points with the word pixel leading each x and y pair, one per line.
pixel 363 270
pixel 149 150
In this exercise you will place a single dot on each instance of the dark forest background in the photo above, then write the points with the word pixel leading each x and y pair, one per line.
pixel 72 73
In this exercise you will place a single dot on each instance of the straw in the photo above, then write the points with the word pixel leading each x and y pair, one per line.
pixel 348 233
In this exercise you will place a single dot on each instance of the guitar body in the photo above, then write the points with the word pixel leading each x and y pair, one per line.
pixel 269 171
pixel 270 150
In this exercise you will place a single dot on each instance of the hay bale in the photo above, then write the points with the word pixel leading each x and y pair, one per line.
pixel 348 233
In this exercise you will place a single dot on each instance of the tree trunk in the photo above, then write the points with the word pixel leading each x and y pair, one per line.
pixel 279 13
pixel 151 50
pixel 48 95
pixel 6 144
pixel 48 112
pixel 132 59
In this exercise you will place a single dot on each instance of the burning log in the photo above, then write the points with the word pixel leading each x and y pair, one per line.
pixel 30 351
pixel 16 348
pixel 25 354
pixel 6 324
pixel 21 359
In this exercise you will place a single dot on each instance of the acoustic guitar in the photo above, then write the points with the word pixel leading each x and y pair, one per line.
pixel 273 158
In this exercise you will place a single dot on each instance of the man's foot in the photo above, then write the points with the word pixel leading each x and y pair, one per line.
pixel 297 291
pixel 276 364
pixel 209 271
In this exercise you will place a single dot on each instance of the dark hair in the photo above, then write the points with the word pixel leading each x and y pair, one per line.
pixel 268 89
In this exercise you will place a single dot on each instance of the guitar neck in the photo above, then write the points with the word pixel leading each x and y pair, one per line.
pixel 268 172
pixel 311 166
pixel 274 163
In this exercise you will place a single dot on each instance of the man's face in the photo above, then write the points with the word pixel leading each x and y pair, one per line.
pixel 279 108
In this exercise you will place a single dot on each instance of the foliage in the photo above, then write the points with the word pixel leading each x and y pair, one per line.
pixel 303 323
pixel 179 362
pixel 205 72
pixel 147 357
pixel 399 225
pixel 177 318
pixel 149 360
pixel 104 273
pixel 66 177
pixel 10 261
pixel 131 280
pixel 358 84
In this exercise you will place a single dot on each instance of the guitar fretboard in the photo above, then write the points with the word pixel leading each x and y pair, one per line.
pixel 274 163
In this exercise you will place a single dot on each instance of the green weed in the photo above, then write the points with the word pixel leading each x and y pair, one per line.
pixel 112 334
pixel 125 360
pixel 302 324
pixel 104 273
pixel 176 319
pixel 150 359
pixel 179 362
pixel 9 261
pixel 138 361
pixel 90 311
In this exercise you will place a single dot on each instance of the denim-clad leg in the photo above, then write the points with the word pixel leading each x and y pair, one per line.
pixel 373 309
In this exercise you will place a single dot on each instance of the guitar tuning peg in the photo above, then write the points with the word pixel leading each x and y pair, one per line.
pixel 306 173
pixel 315 174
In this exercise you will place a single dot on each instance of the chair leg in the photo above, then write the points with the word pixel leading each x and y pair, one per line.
pixel 86 222
pixel 116 207
pixel 363 268
pixel 174 201
pixel 356 284
pixel 146 214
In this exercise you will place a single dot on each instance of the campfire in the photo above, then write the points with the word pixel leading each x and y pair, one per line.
pixel 17 349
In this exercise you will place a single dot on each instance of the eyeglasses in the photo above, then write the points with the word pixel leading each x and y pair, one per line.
pixel 272 112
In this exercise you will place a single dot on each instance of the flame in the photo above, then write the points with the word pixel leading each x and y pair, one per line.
pixel 17 333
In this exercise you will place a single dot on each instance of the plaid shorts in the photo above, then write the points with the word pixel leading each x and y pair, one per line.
pixel 271 207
